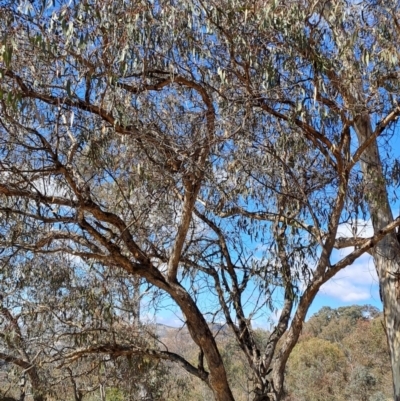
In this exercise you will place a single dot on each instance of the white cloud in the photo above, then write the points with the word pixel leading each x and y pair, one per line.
pixel 357 282
pixel 361 228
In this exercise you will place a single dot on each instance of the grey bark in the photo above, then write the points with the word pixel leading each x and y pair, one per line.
pixel 386 253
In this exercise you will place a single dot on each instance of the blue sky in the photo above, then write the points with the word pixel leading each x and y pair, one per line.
pixel 356 284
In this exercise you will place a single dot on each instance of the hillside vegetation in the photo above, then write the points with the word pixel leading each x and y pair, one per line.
pixel 342 355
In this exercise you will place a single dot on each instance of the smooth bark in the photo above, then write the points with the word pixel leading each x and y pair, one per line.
pixel 386 253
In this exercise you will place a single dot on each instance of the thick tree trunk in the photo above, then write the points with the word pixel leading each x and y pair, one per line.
pixel 387 252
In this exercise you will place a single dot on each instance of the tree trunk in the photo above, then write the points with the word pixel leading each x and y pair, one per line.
pixel 387 252
pixel 36 385
pixel 204 338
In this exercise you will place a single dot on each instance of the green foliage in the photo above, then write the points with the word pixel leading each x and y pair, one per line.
pixel 113 393
pixel 361 382
pixel 204 153
pixel 334 324
pixel 342 355
pixel 349 363
pixel 316 370
pixel 379 396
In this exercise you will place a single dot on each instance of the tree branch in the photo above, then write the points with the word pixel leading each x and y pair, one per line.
pixel 117 350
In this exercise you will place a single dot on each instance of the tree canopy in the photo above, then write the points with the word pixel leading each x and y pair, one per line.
pixel 206 152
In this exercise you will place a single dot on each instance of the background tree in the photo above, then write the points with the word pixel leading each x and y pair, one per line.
pixel 52 308
pixel 342 354
pixel 209 151
pixel 317 371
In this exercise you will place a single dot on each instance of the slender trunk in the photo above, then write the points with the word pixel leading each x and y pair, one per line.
pixel 204 338
pixel 387 252
pixel 102 392
pixel 277 375
pixel 36 384
pixel 136 301
pixel 197 327
pixel 22 384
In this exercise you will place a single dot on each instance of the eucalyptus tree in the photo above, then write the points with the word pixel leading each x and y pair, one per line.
pixel 27 298
pixel 331 70
pixel 51 308
pixel 211 151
